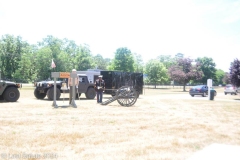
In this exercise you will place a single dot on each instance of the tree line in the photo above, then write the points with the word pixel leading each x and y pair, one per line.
pixel 24 62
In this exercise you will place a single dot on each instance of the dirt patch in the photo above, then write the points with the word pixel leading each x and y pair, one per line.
pixel 163 124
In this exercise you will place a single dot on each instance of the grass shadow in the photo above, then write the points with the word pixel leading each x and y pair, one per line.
pixel 63 106
pixel 77 99
pixel 66 99
pixel 3 101
pixel 180 91
pixel 159 88
pixel 237 99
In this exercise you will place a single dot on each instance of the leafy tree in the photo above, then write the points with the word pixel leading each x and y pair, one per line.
pixel 235 73
pixel 226 78
pixel 56 48
pixel 0 62
pixel 110 67
pixel 43 63
pixel 66 54
pixel 64 62
pixel 83 59
pixel 70 47
pixel 138 63
pixel 184 71
pixel 123 60
pixel 219 76
pixel 179 55
pixel 108 62
pixel 208 69
pixel 100 62
pixel 55 45
pixel 156 72
pixel 24 71
pixel 10 51
pixel 166 60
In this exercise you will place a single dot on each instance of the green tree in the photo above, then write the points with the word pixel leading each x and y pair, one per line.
pixel 208 68
pixel 138 63
pixel 55 48
pixel 100 62
pixel 66 54
pixel 123 60
pixel 25 71
pixel 108 62
pixel 167 60
pixel 10 51
pixel 83 59
pixel 219 76
pixel 156 72
pixel 69 46
pixel 179 55
pixel 64 62
pixel 43 59
pixel 55 45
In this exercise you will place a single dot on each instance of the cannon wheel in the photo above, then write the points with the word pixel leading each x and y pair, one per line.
pixel 126 96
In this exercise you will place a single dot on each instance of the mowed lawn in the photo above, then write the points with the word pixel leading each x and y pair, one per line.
pixel 164 123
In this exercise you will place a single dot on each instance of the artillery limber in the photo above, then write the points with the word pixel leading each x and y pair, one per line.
pixel 125 96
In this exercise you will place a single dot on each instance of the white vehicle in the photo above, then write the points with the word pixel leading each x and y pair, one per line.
pixel 230 89
pixel 91 74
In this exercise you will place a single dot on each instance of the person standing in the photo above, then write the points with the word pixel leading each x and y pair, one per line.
pixel 70 84
pixel 99 87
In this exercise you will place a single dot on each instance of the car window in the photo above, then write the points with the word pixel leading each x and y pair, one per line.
pixel 197 87
pixel 81 79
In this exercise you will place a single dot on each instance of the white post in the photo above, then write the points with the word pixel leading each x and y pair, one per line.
pixel 55 75
pixel 209 84
pixel 73 76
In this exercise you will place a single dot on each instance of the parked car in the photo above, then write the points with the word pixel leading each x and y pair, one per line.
pixel 200 90
pixel 230 89
pixel 238 90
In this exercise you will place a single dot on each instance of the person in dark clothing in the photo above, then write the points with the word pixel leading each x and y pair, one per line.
pixel 99 88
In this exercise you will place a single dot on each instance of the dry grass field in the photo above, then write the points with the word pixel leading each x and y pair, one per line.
pixel 165 124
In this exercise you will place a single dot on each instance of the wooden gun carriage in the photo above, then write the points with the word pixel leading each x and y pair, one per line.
pixel 125 96
pixel 125 87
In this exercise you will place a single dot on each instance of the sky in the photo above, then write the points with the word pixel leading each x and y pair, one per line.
pixel 195 28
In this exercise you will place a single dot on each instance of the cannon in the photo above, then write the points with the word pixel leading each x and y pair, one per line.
pixel 125 96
